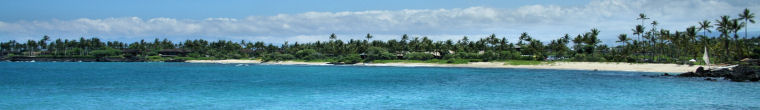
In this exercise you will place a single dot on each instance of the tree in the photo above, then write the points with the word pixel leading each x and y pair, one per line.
pixel 642 17
pixel 418 56
pixel 43 41
pixel 31 45
pixel 623 38
pixel 404 38
pixel 523 37
pixel 724 27
pixel 377 53
pixel 748 17
pixel 333 36
pixel 369 37
pixel 308 54
pixel 638 30
pixel 591 40
pixel 705 26
pixel 691 36
pixel 106 52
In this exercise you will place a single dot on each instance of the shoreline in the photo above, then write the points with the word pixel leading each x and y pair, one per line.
pixel 600 66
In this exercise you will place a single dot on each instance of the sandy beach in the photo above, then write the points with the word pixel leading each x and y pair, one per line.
pixel 223 61
pixel 257 61
pixel 602 66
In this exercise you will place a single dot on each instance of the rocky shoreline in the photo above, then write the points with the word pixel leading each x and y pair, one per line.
pixel 747 70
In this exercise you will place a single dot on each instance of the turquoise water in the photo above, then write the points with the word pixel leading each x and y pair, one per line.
pixel 230 86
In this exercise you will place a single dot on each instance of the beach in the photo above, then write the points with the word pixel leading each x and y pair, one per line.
pixel 600 66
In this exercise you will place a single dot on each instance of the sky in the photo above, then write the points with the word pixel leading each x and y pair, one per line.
pixel 277 21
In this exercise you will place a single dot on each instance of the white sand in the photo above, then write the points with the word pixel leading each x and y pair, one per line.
pixel 257 61
pixel 296 63
pixel 602 66
pixel 223 61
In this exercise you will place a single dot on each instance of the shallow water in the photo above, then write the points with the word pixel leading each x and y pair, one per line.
pixel 52 85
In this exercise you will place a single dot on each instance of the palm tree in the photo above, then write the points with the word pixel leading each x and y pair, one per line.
pixel 642 17
pixel 623 38
pixel 404 37
pixel 653 37
pixel 705 26
pixel 748 17
pixel 691 34
pixel 492 40
pixel 333 36
pixel 369 37
pixel 638 31
pixel 593 39
pixel 736 26
pixel 43 42
pixel 30 46
pixel 724 27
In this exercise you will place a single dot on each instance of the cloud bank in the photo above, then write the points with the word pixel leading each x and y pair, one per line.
pixel 544 22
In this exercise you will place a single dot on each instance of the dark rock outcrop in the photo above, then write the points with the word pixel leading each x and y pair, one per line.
pixel 747 70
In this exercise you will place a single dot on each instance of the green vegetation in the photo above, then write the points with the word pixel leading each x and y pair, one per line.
pixel 106 52
pixel 437 61
pixel 646 44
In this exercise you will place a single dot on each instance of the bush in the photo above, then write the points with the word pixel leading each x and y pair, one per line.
pixel 277 57
pixel 308 54
pixel 377 53
pixel 418 56
pixel 194 54
pixel 106 52
pixel 489 55
pixel 457 61
pixel 350 59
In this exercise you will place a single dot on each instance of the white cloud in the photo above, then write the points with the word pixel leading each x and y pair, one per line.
pixel 544 22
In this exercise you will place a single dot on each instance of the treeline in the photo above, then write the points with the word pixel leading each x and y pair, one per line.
pixel 647 44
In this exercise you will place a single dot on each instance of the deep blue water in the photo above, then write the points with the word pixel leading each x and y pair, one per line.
pixel 227 86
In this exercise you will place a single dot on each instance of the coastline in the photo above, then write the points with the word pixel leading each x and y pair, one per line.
pixel 601 66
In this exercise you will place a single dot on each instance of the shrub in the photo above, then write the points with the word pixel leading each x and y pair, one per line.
pixel 377 53
pixel 463 55
pixel 418 56
pixel 350 59
pixel 308 54
pixel 457 61
pixel 106 52
pixel 489 55
pixel 278 57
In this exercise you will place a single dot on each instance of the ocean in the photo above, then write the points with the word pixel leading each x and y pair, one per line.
pixel 146 85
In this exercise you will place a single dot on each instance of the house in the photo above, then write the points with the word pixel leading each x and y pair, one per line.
pixel 437 55
pixel 399 56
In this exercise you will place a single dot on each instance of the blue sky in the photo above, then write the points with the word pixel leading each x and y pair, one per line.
pixel 199 9
pixel 306 21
